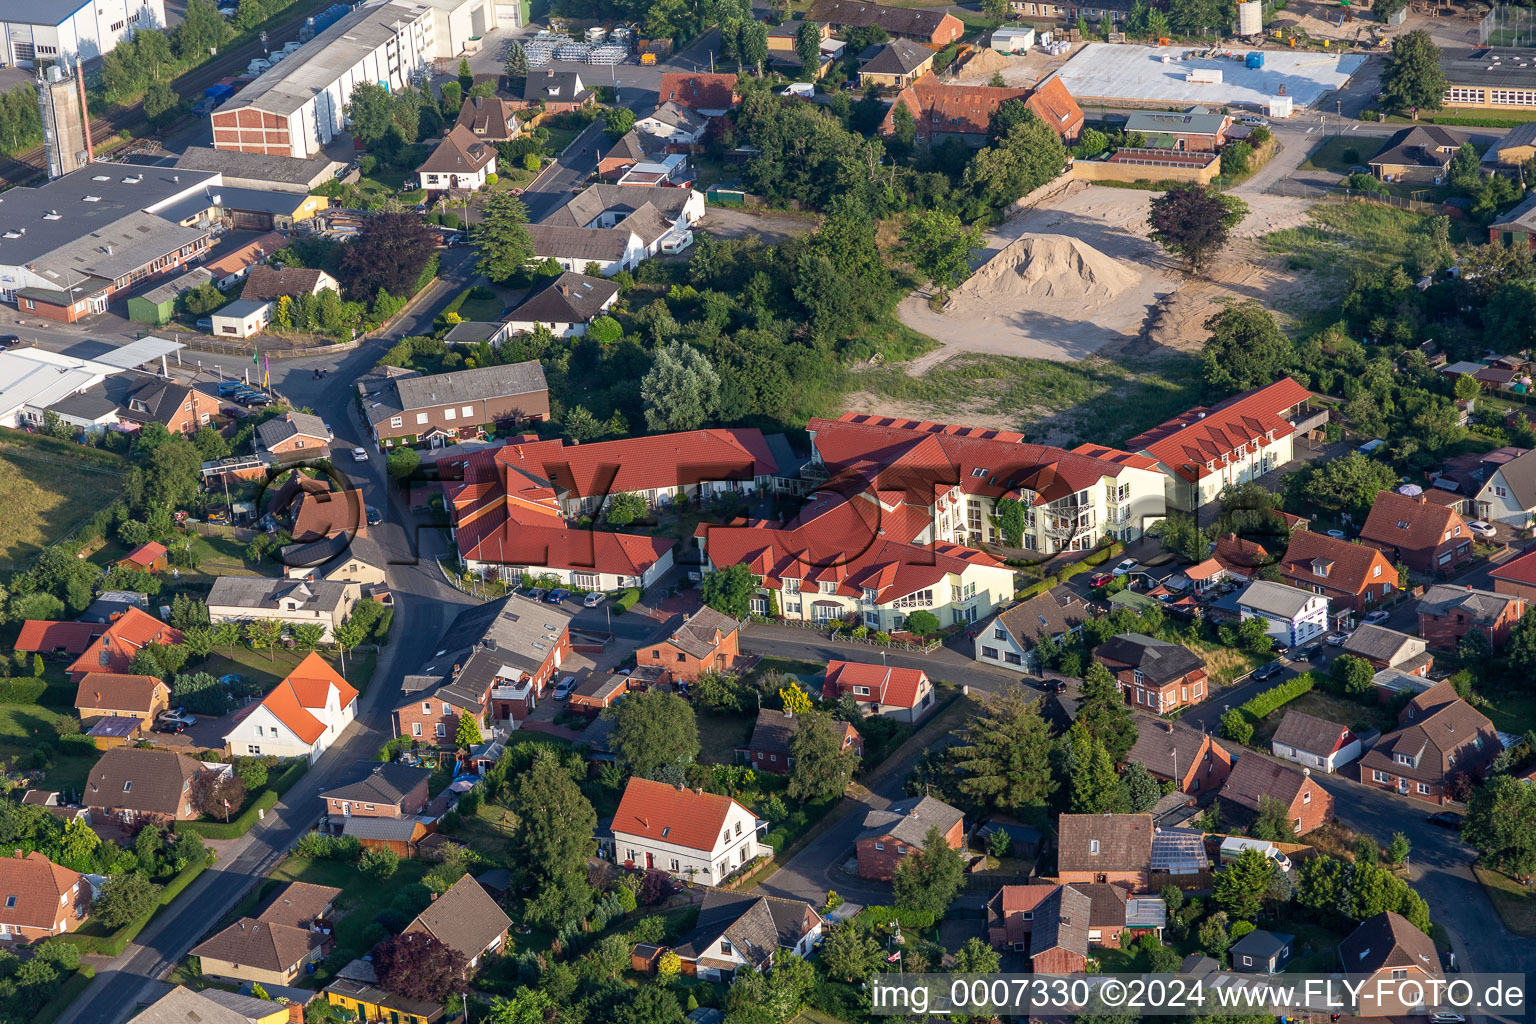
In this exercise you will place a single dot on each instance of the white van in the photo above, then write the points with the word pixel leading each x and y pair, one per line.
pixel 1234 847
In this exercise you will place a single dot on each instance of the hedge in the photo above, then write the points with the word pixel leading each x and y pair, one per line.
pixel 878 915
pixel 265 801
pixel 1264 704
pixel 22 691
pixel 625 601
pixel 78 744
pixel 67 993
pixel 114 944
pixel 293 773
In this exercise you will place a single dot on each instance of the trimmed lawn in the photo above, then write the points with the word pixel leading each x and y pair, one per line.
pixel 268 668
pixel 482 310
pixel 1515 903
pixel 721 735
pixel 43 498
pixel 1330 156
pixel 559 138
pixel 362 900
pixel 1342 710
pixel 1512 713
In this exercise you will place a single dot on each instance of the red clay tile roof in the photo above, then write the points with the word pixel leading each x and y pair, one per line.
pixel 37 884
pixel 125 636
pixel 682 816
pixel 1187 443
pixel 1517 570
pixel 697 91
pixel 117 692
pixel 299 701
pixel 1318 558
pixel 1411 523
pixel 328 513
pixel 958 109
pixel 145 554
pixel 896 687
pixel 1240 556
pixel 69 637
pixel 1054 105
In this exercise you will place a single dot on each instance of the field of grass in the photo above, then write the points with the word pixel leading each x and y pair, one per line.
pixel 43 498
pixel 362 899
pixel 1515 903
pixel 1224 664
pixel 483 310
pixel 1353 713
pixel 268 668
pixel 721 735
pixel 1512 713
pixel 1337 155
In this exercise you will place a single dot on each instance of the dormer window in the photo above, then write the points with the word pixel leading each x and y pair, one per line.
pixel 1093 846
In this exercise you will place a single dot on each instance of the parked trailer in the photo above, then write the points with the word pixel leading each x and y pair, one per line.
pixel 1203 76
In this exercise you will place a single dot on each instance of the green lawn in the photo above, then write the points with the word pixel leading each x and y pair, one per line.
pixel 362 900
pixel 268 668
pixel 720 736
pixel 1512 713
pixel 1515 903
pixel 1339 154
pixel 1353 713
pixel 482 310
pixel 559 138
pixel 44 497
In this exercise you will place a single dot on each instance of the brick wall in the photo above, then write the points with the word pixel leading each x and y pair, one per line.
pixel 685 666
pixel 1445 632
pixel 1313 814
pixel 1058 961
pixel 880 864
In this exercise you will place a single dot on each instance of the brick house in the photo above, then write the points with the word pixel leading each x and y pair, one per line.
pixel 1153 674
pixel 387 790
pixel 904 694
pixel 706 641
pixel 412 409
pixel 1516 577
pixel 1109 848
pixel 180 409
pixel 1314 742
pixel 892 834
pixel 1113 911
pixel 466 920
pixel 1447 613
pixel 768 749
pixel 558 92
pixel 1194 762
pixel 115 695
pixel 294 433
pixel 1351 576
pixel 42 898
pixel 935 28
pixel 708 94
pixel 1389 946
pixel 684 832
pixel 324 514
pixel 497 662
pixel 1048 922
pixel 1254 777
pixel 1387 648
pixel 1426 537
pixel 1439 737
pixel 130 784
pixel 101 647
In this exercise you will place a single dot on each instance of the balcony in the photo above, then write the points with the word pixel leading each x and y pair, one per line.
pixel 815 471
pixel 511 691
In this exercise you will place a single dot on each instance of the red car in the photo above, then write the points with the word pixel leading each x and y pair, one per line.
pixel 1100 580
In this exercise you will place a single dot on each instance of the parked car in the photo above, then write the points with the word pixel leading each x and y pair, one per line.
pixel 230 387
pixel 523 592
pixel 1446 1017
pixel 1100 579
pixel 536 594
pixel 179 715
pixel 1128 566
pixel 1253 121
pixel 1376 618
pixel 564 687
pixel 556 596
pixel 359 455
pixel 1445 819
pixel 594 599
pixel 218 516
pixel 163 724
pixel 1482 529
pixel 372 515
pixel 1308 652
pixel 1053 686
pixel 205 322
pixel 1265 671
pixel 7 340
pixel 1337 639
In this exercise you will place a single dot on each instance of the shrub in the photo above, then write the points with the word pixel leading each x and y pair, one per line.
pixel 626 600
pixel 379 863
pixel 22 691
pixel 1236 727
pixel 1263 704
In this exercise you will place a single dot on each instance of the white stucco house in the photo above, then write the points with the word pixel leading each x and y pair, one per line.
pixel 684 832
pixel 301 717
pixel 1291 615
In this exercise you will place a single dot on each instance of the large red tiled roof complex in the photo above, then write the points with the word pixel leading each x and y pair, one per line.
pixel 1199 441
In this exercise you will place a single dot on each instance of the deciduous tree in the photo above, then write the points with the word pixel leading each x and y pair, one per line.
pixel 554 820
pixel 729 590
pixel 389 252
pixel 1194 221
pixel 1246 348
pixel 655 731
pixel 416 965
pixel 940 247
pixel 1413 79
pixel 822 767
pixel 929 879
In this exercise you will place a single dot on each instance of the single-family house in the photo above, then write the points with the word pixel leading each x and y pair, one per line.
pixel 490 118
pixel 1511 151
pixel 708 94
pixel 1190 759
pixel 1439 737
pixel 1419 154
pixel 1048 922
pixel 177 407
pixel 1112 848
pixel 1509 494
pixel 1254 778
pixel 745 930
pixel 408 408
pixel 356 991
pixel 268 283
pixel 684 832
pixel 903 694
pixel 461 161
pixel 42 899
pixel 294 432
pixel 1197 129
pixel 1516 577
pixel 1240 558
pixel 214 1006
pixel 1389 947
pixel 768 750
pixel 301 717
pixel 558 92
pixel 935 28
pixel 1291 616
pixel 706 641
pixel 466 920
pixel 325 514
pixel 275 947
pixel 1261 952
pixel 232 267
pixel 377 790
pixel 290 602
pixel 674 123
pixel 132 784
pixel 1447 613
pixel 1153 674
pixel 1428 538
pixel 1314 742
pixel 1011 637
pixel 1387 648
pixel 1351 576
pixel 99 647
pixel 121 695
pixel 565 306
pixel 897 65
pixel 901 830
pixel 1113 911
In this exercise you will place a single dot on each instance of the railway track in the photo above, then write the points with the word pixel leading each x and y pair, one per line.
pixel 21 168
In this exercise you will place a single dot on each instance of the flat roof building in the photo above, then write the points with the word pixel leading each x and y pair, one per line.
pixel 47 30
pixel 1490 77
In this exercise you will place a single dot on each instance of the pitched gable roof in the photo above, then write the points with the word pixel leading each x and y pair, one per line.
pixel 570 298
pixel 679 816
pixel 267 282
pixel 1168 749
pixel 1441 734
pixel 69 637
pixel 1420 146
pixel 1411 523
pixel 1062 922
pixel 37 886
pixel 754 924
pixel 1054 105
pixel 950 108
pixel 1334 562
pixel 1254 777
pixel 898 57
pixel 465 919
pixel 113 691
pixel 489 117
pixel 1199 442
pixel 890 685
pixel 701 633
pixel 1483 607
pixel 329 513
pixel 298 904
pixel 374 783
pixel 697 90
pixel 1160 661
pixel 1310 734
pixel 149 781
pixel 1124 842
pixel 127 634
pixel 909 820
pixel 145 554
pixel 460 152
pixel 1388 941
pixel 774 729
pixel 300 701
pixel 1042 615
pixel 260 944
pixel 1378 643
pixel 904 21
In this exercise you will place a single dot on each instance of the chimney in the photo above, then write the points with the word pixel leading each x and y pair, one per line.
pixel 98 698
pixel 434 897
pixel 20 855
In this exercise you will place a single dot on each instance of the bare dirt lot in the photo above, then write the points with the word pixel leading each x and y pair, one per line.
pixel 1152 302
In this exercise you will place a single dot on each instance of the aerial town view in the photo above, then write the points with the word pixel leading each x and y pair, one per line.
pixel 767 511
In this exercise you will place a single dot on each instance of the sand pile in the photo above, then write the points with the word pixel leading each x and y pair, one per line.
pixel 1049 267
pixel 984 62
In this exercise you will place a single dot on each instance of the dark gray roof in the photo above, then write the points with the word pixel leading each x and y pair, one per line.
pixel 554 87
pixel 485 643
pixel 472 331
pixel 404 394
pixel 1483 606
pixel 1261 944
pixel 755 925
pixel 909 820
pixel 327 554
pixel 1489 68
pixel 898 57
pixel 378 783
pixel 1418 146
pixel 552 240
pixel 1106 903
pixel 284 173
pixel 256 593
pixel 281 428
pixel 678 116
pixel 1196 121
pixel 1161 662
pixel 178 286
pixel 245 200
pixel 568 299
pixel 91 404
pixel 1308 732
pixel 109 250
pixel 1523 215
pixel 593 202
pixel 1378 643
pixel 1061 922
pixel 399 830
